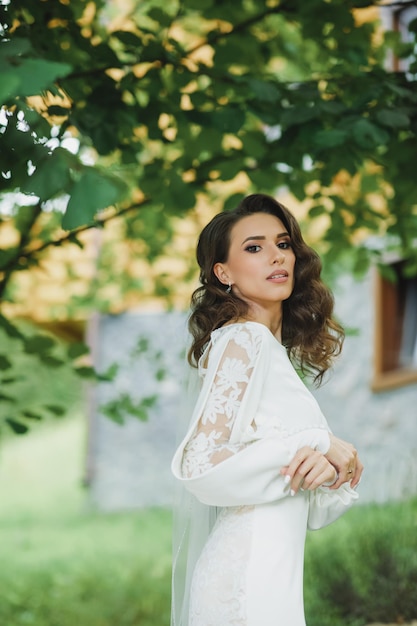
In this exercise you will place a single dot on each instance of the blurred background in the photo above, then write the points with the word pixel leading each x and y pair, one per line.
pixel 125 125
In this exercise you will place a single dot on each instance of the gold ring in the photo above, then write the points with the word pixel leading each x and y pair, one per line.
pixel 350 471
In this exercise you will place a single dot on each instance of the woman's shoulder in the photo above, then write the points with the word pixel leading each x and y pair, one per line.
pixel 244 327
pixel 245 334
pixel 247 328
pixel 252 337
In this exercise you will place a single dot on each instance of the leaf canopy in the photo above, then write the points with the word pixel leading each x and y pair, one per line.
pixel 141 115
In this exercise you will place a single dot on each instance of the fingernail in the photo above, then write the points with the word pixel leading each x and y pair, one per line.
pixel 292 492
pixel 287 479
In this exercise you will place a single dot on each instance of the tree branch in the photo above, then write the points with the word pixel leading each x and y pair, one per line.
pixel 210 40
pixel 23 255
pixel 98 223
pixel 24 240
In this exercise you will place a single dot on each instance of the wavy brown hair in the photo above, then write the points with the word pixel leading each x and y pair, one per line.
pixel 309 331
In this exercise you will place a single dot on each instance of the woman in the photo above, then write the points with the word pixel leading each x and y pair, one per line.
pixel 258 457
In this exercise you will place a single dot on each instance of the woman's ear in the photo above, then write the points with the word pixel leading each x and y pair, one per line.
pixel 221 273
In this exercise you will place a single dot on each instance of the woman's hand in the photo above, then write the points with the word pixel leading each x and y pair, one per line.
pixel 308 470
pixel 343 456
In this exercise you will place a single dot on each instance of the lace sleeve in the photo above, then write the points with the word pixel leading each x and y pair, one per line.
pixel 210 442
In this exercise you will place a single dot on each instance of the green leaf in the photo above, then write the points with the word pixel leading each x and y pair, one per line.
pixel 56 409
pixel 51 361
pixel 110 374
pixel 10 329
pixel 128 39
pixel 388 272
pixel 17 427
pixel 32 416
pixel 124 405
pixel 5 398
pixel 330 138
pixel 368 135
pixel 160 374
pixel 93 192
pixel 5 363
pixel 265 91
pixel 157 14
pixel 75 350
pixel 254 144
pixel 142 346
pixel 370 183
pixel 52 175
pixel 332 106
pixel 233 201
pixel 86 372
pixel 199 5
pixel 7 255
pixel 33 76
pixel 299 115
pixel 412 26
pixel 316 211
pixel 10 379
pixel 228 120
pixel 38 344
pixel 393 119
pixel 9 86
pixel 113 411
pixel 15 47
pixel 25 217
pixel 230 168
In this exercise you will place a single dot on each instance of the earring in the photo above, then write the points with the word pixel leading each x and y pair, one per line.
pixel 229 289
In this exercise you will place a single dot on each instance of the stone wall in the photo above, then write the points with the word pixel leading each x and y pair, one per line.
pixel 383 425
pixel 128 465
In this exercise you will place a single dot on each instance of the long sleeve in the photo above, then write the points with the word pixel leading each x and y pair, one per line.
pixel 224 460
pixel 210 442
pixel 327 505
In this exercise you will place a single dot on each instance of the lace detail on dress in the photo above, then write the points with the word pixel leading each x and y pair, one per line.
pixel 209 444
pixel 218 592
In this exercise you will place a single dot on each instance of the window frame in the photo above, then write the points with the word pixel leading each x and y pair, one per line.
pixel 386 299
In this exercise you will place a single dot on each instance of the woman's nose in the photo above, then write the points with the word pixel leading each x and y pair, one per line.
pixel 279 256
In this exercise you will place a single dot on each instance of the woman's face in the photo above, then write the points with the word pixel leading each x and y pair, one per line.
pixel 261 261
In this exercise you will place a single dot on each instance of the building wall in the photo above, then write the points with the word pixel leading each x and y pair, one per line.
pixel 128 466
pixel 383 425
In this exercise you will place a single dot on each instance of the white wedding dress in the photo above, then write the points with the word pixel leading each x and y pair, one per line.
pixel 252 414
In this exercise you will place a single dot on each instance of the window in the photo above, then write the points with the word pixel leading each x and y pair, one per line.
pixel 395 361
pixel 395 330
pixel 397 17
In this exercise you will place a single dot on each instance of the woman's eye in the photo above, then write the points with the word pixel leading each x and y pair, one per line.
pixel 253 248
pixel 284 245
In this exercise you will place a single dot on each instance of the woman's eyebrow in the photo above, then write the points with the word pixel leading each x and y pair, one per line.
pixel 262 237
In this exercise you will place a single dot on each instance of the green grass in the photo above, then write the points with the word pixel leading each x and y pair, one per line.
pixel 63 565
pixel 363 568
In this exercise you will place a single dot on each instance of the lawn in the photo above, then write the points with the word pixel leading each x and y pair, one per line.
pixel 63 564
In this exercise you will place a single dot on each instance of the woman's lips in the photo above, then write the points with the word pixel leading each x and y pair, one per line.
pixel 278 276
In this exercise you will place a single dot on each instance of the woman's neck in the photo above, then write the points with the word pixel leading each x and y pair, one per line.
pixel 272 320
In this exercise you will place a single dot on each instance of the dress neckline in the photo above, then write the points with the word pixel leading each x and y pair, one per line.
pixel 223 328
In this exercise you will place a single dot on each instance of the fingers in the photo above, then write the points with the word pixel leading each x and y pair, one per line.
pixel 308 470
pixel 357 474
pixel 352 475
pixel 344 457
